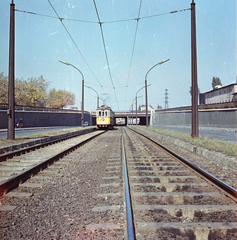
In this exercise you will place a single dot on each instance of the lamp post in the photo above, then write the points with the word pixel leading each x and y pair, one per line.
pixel 96 93
pixel 82 103
pixel 136 99
pixel 132 110
pixel 146 87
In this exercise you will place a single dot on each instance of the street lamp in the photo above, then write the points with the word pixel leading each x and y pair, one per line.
pixel 136 99
pixel 146 87
pixel 97 94
pixel 82 103
pixel 132 109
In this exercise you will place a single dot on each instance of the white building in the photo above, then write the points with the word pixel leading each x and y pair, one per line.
pixel 143 108
pixel 219 94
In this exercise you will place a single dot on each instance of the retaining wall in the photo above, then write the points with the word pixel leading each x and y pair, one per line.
pixel 44 119
pixel 225 118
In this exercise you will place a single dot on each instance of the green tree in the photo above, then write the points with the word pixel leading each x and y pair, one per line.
pixel 60 98
pixel 190 91
pixel 215 82
pixel 35 91
pixel 20 92
pixel 3 89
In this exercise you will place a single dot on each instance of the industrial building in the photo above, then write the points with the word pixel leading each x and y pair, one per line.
pixel 220 94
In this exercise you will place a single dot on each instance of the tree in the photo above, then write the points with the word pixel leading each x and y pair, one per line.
pixel 20 92
pixel 3 89
pixel 190 91
pixel 215 82
pixel 35 91
pixel 60 98
pixel 30 92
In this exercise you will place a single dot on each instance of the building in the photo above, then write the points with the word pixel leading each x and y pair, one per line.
pixel 142 108
pixel 73 107
pixel 219 94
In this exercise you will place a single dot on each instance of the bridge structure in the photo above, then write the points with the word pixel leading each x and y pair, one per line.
pixel 127 118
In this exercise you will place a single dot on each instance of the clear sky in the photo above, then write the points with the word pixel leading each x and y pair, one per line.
pixel 41 41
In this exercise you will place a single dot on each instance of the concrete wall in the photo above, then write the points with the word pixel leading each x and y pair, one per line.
pixel 226 118
pixel 44 119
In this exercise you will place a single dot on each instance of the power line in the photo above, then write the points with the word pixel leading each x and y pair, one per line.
pixel 133 48
pixel 106 55
pixel 61 20
pixel 161 14
pixel 44 15
pixel 114 21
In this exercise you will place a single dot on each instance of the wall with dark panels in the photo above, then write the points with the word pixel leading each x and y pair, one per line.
pixel 44 119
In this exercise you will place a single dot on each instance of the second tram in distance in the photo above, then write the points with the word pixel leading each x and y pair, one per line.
pixel 104 117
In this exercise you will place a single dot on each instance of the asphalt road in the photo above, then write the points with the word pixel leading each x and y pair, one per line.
pixel 224 134
pixel 29 131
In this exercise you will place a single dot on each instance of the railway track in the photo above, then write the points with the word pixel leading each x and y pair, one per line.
pixel 86 197
pixel 19 165
pixel 171 200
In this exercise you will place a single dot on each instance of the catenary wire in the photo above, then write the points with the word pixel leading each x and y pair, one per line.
pixel 135 37
pixel 114 21
pixel 44 15
pixel 74 43
pixel 106 55
pixel 86 21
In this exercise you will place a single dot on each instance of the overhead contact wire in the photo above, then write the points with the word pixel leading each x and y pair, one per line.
pixel 106 55
pixel 114 21
pixel 134 42
pixel 44 15
pixel 61 20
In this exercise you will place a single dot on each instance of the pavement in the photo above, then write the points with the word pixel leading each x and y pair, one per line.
pixel 7 145
pixel 20 132
pixel 31 128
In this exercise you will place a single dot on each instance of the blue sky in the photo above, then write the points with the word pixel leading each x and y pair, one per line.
pixel 41 41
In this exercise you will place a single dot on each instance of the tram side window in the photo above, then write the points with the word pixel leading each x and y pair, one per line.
pixel 105 113
pixel 99 113
pixel 102 113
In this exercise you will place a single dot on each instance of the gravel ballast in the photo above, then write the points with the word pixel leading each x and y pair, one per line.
pixel 62 207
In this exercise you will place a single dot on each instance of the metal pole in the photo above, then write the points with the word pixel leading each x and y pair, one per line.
pixel 146 87
pixel 11 77
pixel 137 97
pixel 136 109
pixel 82 101
pixel 194 88
pixel 96 93
pixel 146 103
pixel 82 104
pixel 132 113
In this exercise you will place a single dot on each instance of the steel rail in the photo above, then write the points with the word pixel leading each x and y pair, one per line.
pixel 222 185
pixel 20 178
pixel 130 225
pixel 11 154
